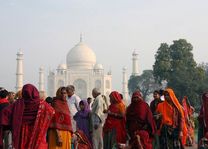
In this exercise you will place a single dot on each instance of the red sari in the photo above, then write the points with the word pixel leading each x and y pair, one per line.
pixel 117 123
pixel 140 122
pixel 28 119
pixel 62 118
pixel 82 141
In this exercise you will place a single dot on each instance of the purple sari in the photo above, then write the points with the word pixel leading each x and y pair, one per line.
pixel 82 119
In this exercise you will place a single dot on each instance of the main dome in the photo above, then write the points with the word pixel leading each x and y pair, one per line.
pixel 81 57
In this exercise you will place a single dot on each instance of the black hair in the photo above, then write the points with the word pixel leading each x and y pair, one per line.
pixel 3 93
pixel 49 99
pixel 81 102
pixel 157 92
pixel 161 92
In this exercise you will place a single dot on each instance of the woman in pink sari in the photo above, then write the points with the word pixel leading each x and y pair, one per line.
pixel 28 119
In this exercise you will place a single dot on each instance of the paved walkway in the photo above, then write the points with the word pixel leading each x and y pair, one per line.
pixel 192 147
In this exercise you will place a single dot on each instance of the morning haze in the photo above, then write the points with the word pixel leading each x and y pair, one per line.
pixel 46 30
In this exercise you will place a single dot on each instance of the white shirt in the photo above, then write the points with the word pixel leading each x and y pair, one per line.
pixel 73 104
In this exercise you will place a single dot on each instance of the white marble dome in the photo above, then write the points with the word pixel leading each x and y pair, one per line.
pixel 98 66
pixel 81 57
pixel 62 66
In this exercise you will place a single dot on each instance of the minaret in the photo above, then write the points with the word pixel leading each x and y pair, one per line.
pixel 80 37
pixel 135 67
pixel 41 79
pixel 125 84
pixel 19 73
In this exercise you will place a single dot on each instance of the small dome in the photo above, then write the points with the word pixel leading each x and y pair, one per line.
pixel 98 66
pixel 81 56
pixel 62 66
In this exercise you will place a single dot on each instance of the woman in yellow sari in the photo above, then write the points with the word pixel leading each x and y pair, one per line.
pixel 60 132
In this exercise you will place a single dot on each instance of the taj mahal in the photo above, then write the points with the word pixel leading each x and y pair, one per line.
pixel 81 70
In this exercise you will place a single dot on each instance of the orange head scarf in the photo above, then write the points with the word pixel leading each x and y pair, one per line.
pixel 175 101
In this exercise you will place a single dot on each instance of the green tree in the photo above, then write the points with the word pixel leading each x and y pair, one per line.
pixel 162 63
pixel 182 72
pixel 145 83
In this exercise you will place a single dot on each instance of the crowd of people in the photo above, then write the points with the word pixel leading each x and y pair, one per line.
pixel 67 122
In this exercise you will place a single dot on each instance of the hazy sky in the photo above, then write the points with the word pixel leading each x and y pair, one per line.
pixel 46 30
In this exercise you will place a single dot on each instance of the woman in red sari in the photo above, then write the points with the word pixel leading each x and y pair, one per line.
pixel 82 142
pixel 60 128
pixel 28 119
pixel 114 127
pixel 203 119
pixel 140 122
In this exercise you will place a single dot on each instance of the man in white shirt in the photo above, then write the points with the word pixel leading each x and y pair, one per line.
pixel 97 116
pixel 73 104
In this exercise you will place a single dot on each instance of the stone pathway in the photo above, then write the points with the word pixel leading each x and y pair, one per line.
pixel 192 147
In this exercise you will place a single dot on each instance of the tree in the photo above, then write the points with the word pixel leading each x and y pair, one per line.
pixel 180 70
pixel 162 63
pixel 145 83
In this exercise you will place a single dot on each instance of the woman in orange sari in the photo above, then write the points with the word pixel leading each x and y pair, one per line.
pixel 188 136
pixel 60 128
pixel 172 121
pixel 28 119
pixel 114 127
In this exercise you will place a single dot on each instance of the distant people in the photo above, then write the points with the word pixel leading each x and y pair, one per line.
pixel 114 128
pixel 60 131
pixel 172 121
pixel 188 136
pixel 82 118
pixel 97 117
pixel 3 98
pixel 28 119
pixel 49 100
pixel 106 103
pixel 157 118
pixel 11 97
pixel 162 94
pixel 4 102
pixel 18 95
pixel 203 120
pixel 89 101
pixel 73 104
pixel 140 123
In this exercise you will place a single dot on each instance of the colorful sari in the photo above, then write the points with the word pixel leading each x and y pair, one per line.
pixel 82 119
pixel 140 122
pixel 60 128
pixel 82 141
pixel 28 119
pixel 172 122
pixel 114 127
pixel 188 136
pixel 203 118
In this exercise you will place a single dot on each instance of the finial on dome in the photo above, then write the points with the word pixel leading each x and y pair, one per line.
pixel 81 37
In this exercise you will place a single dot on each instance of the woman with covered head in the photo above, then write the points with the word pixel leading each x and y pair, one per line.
pixel 203 119
pixel 28 119
pixel 60 132
pixel 171 130
pixel 82 118
pixel 140 123
pixel 114 128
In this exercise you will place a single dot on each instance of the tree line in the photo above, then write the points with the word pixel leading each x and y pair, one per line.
pixel 175 65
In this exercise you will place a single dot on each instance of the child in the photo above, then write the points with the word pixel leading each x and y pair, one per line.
pixel 82 118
